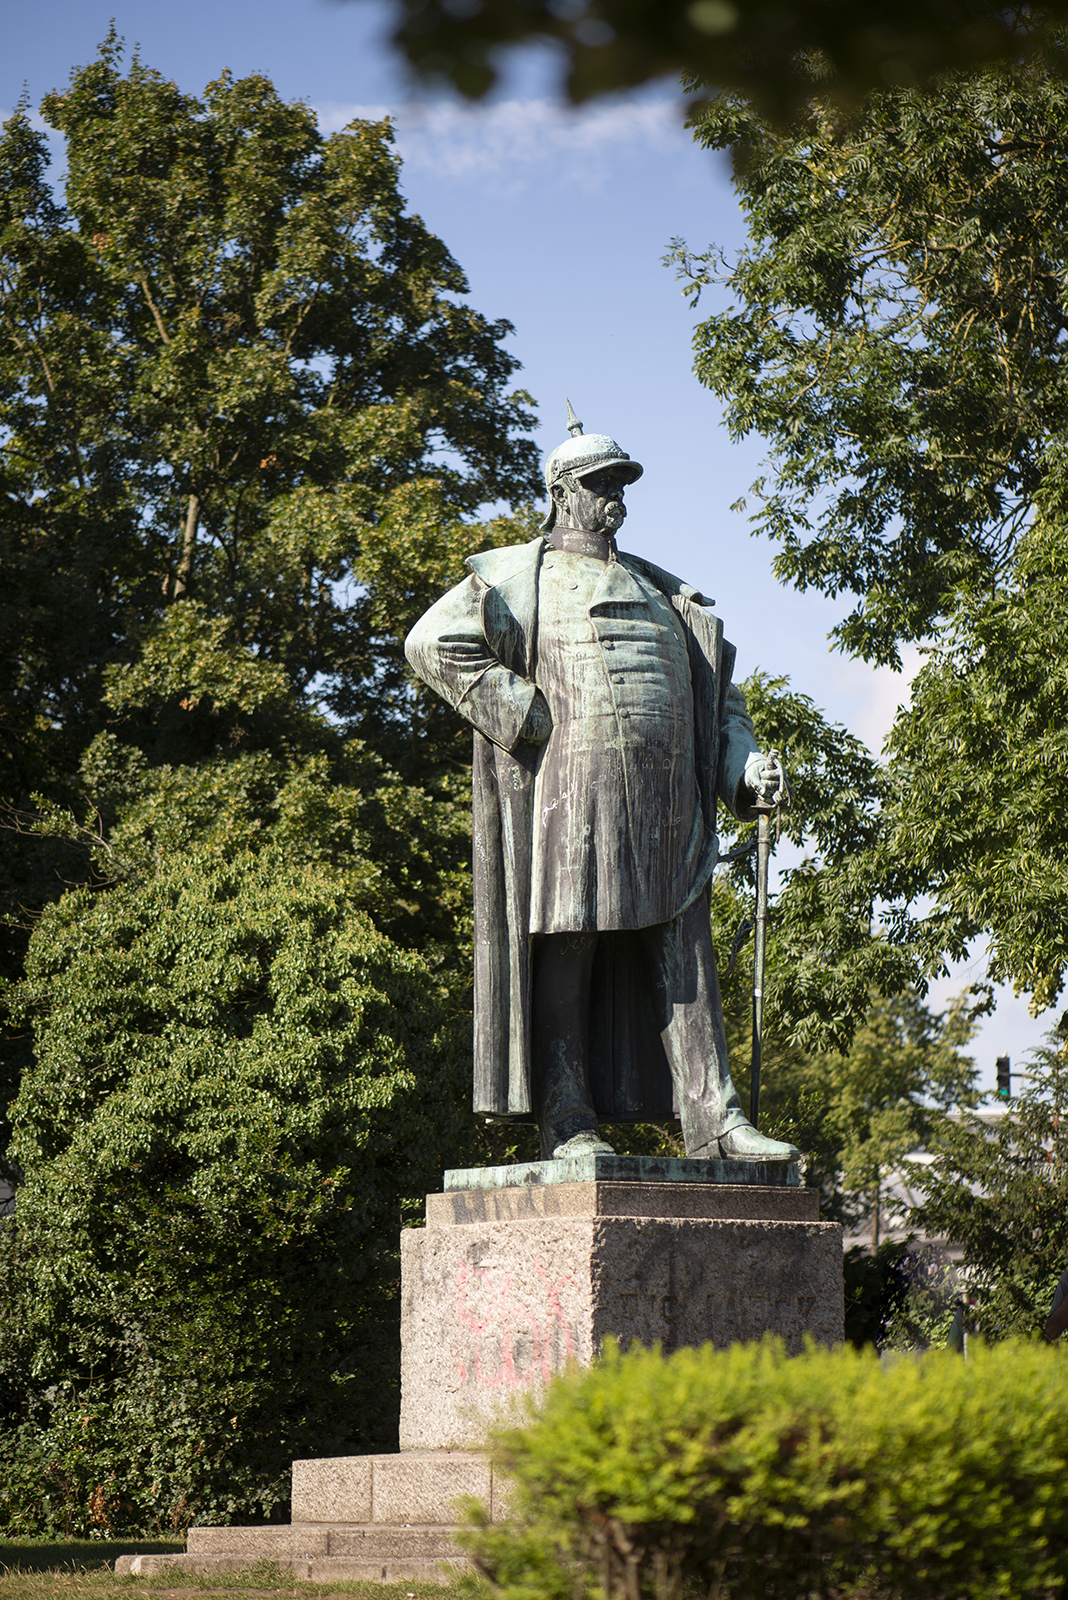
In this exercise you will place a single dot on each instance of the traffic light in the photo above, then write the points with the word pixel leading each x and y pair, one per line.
pixel 1004 1079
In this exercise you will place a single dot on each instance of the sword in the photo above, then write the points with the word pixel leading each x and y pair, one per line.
pixel 765 806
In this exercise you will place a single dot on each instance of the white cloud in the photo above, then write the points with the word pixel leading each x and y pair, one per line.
pixel 867 698
pixel 506 146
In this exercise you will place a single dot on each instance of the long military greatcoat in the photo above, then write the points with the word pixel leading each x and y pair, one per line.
pixel 478 648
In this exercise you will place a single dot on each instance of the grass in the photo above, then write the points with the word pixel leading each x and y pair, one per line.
pixel 81 1570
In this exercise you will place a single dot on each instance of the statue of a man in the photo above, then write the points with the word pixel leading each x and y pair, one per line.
pixel 607 728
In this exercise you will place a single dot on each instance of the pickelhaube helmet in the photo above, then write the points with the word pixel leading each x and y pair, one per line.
pixel 581 454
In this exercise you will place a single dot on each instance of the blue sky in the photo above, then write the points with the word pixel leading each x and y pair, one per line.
pixel 560 219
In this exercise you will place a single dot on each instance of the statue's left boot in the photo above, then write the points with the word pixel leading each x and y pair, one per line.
pixel 744 1143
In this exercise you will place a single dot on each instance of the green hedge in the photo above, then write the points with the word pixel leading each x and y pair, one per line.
pixel 752 1474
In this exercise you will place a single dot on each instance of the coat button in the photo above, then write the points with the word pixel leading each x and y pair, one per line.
pixel 608 645
pixel 620 678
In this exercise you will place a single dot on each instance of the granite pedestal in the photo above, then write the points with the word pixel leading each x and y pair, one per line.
pixel 519 1272
pixel 507 1285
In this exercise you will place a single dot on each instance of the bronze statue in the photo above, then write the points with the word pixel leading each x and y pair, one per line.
pixel 607 728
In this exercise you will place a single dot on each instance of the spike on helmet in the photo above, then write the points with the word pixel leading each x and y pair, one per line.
pixel 581 454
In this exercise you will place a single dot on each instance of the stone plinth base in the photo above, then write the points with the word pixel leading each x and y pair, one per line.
pixel 506 1286
pixel 382 1519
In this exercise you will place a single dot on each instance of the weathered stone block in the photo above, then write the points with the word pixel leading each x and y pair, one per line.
pixel 345 1569
pixel 256 1544
pixel 424 1489
pixel 380 1543
pixel 332 1489
pixel 418 1487
pixel 506 1285
pixel 491 1310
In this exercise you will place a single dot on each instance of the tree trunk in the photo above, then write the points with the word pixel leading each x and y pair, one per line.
pixel 184 577
pixel 875 1218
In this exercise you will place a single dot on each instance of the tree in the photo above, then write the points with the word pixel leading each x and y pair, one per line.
pixel 606 45
pixel 248 356
pixel 886 1095
pixel 247 418
pixel 232 368
pixel 1001 1190
pixel 974 824
pixel 855 1065
pixel 827 955
pixel 857 1110
pixel 898 338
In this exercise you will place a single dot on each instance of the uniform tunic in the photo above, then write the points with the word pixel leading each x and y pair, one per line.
pixel 618 838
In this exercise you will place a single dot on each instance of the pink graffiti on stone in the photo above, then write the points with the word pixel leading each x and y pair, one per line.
pixel 487 1307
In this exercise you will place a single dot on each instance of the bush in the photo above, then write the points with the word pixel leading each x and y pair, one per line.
pixel 241 1092
pixel 752 1474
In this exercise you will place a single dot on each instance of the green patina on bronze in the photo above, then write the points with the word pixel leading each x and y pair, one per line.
pixel 625 1169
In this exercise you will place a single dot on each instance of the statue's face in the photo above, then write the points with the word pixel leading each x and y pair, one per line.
pixel 596 502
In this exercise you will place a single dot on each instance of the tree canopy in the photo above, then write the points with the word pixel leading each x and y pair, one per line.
pixel 897 335
pixel 229 357
pixel 234 370
pixel 241 1091
pixel 854 1063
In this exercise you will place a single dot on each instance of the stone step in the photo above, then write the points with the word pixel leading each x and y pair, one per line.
pixel 317 1569
pixel 255 1543
pixel 370 1542
pixel 375 1519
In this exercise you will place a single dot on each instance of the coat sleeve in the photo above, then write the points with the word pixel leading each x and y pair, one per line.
pixel 448 650
pixel 737 742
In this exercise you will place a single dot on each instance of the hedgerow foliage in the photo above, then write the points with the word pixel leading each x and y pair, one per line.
pixel 241 1090
pixel 746 1473
pixel 244 1081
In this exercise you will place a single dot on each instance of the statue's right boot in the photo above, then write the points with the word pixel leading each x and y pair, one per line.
pixel 714 1126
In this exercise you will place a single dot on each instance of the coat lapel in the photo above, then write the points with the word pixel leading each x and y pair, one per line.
pixel 510 602
pixel 617 587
